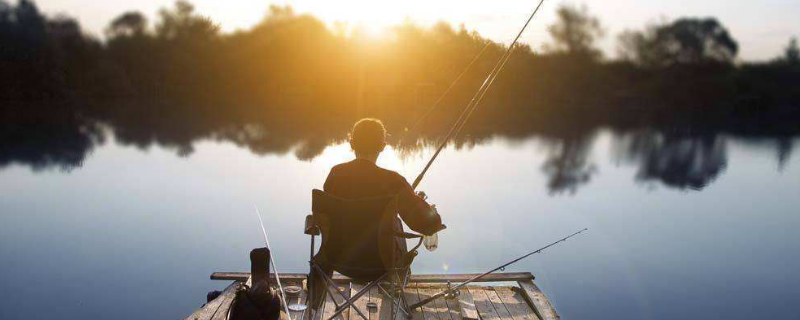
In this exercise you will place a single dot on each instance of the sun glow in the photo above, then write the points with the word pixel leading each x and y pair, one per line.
pixel 373 18
pixel 340 153
pixel 333 155
pixel 370 18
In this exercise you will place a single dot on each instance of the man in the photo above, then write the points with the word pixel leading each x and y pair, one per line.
pixel 362 178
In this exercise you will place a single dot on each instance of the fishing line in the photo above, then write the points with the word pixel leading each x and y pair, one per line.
pixel 274 267
pixel 477 98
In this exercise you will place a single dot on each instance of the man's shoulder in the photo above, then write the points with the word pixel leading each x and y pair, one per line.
pixel 345 166
pixel 362 166
pixel 394 175
pixel 340 166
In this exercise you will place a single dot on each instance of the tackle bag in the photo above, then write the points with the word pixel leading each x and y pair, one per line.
pixel 259 301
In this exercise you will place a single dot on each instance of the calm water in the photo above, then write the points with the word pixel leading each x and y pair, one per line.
pixel 677 229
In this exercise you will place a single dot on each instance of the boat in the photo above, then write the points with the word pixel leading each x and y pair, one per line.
pixel 497 296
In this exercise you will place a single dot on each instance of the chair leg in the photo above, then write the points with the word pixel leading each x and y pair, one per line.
pixel 397 302
pixel 331 284
pixel 349 302
pixel 406 310
pixel 333 299
pixel 398 284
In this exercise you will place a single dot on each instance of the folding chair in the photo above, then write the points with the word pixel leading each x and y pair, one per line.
pixel 358 241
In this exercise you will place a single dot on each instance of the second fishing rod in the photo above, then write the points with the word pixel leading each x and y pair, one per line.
pixel 452 291
pixel 476 98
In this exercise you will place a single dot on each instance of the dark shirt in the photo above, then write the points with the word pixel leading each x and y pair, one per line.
pixel 364 179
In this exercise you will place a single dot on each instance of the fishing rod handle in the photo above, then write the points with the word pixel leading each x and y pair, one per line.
pixel 426 300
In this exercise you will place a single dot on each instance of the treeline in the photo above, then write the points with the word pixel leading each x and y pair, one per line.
pixel 291 78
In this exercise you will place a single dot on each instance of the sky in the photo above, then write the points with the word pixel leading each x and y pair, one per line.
pixel 763 28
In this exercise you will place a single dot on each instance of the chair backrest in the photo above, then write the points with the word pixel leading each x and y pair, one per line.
pixel 355 233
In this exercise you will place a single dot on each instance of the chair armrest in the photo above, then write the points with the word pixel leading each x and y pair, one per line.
pixel 408 235
pixel 311 227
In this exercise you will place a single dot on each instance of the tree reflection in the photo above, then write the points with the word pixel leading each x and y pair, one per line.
pixel 46 140
pixel 567 165
pixel 687 160
pixel 784 151
pixel 677 160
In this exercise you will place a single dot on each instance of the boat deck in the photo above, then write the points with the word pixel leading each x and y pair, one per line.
pixel 503 296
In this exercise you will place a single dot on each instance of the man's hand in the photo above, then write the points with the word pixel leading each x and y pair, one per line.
pixel 422 195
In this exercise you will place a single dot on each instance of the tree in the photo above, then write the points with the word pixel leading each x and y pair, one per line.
pixel 639 46
pixel 792 53
pixel 27 63
pixel 684 41
pixel 695 40
pixel 131 23
pixel 29 26
pixel 182 22
pixel 575 32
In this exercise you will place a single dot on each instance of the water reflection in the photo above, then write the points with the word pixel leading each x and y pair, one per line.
pixel 682 159
pixel 48 140
pixel 784 152
pixel 567 165
pixel 262 141
pixel 676 160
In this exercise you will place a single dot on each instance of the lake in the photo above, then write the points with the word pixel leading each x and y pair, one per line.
pixel 679 227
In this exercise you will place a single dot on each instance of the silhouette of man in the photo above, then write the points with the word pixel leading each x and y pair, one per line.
pixel 362 178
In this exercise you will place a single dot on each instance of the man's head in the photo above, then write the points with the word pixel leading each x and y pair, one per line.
pixel 368 138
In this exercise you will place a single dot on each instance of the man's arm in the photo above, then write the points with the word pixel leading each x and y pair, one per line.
pixel 416 213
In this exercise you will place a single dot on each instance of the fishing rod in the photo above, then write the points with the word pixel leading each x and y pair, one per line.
pixel 444 94
pixel 274 267
pixel 477 98
pixel 450 291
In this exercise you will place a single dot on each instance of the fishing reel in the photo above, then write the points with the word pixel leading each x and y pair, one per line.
pixel 451 294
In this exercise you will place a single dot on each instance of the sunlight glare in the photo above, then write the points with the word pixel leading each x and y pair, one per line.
pixel 333 155
pixel 390 159
pixel 370 18
pixel 340 153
